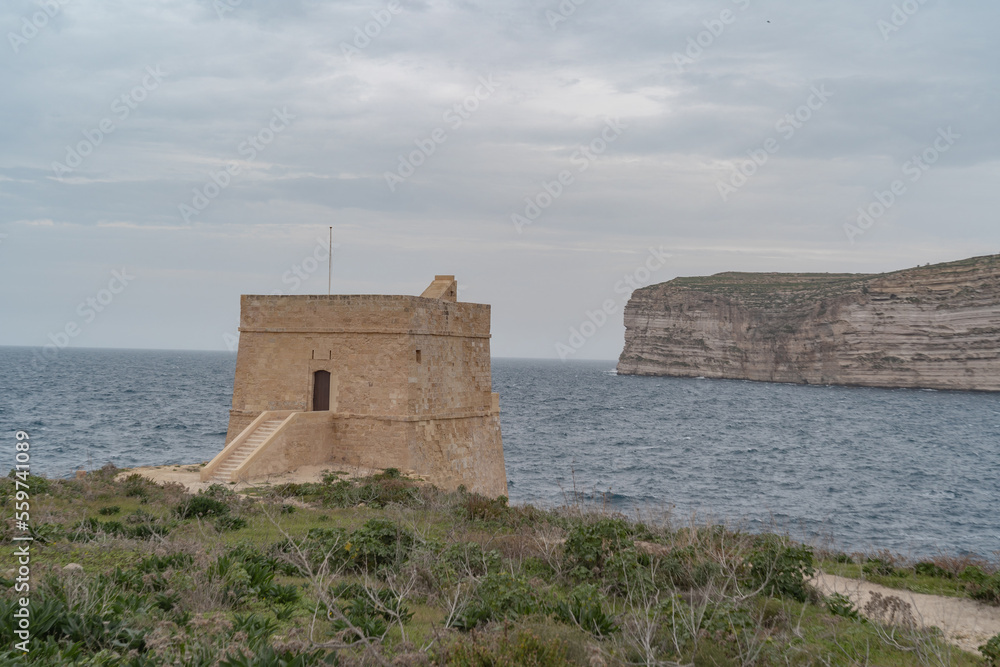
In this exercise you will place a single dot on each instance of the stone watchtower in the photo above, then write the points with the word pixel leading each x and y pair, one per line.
pixel 373 381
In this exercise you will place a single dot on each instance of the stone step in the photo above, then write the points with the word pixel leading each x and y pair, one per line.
pixel 236 458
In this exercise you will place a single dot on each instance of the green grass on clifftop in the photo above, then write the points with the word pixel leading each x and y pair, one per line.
pixel 771 290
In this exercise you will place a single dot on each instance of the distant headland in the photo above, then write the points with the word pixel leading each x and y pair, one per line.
pixel 935 326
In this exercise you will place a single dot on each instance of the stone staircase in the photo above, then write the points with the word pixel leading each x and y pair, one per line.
pixel 224 473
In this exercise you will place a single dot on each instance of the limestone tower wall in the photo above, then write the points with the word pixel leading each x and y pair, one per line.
pixel 409 383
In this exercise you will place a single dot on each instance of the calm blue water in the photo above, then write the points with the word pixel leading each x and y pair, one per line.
pixel 913 471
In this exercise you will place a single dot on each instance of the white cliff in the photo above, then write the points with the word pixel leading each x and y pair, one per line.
pixel 933 326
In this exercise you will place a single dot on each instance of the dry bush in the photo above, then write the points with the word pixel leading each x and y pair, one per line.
pixel 890 610
pixel 956 564
pixel 894 559
pixel 516 547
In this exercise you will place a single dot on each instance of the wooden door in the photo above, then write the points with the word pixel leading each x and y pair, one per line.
pixel 321 391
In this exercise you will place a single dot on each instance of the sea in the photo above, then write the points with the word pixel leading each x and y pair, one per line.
pixel 856 469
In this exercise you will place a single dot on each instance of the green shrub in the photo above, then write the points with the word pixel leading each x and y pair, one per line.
pixel 257 628
pixel 624 569
pixel 108 511
pixel 974 574
pixel 585 607
pixel 368 610
pixel 139 516
pixel 319 545
pixel 91 528
pixel 477 507
pixel 705 571
pixel 498 596
pixel 522 649
pixel 246 572
pixel 201 505
pixel 284 594
pixel 991 651
pixel 387 488
pixel 235 578
pixel 677 567
pixel 53 617
pixel 268 656
pixel 136 486
pixel 36 485
pixel 228 522
pixel 589 545
pixel 379 543
pixel 46 652
pixel 987 590
pixel 166 601
pixel 144 531
pixel 839 604
pixel 780 567
pixel 771 613
pixel 683 621
pixel 155 563
pixel 291 489
pixel 219 492
pixel 381 491
pixel 878 567
pixel 462 559
pixel 932 570
pixel 139 581
pixel 726 617
pixel 980 585
pixel 46 532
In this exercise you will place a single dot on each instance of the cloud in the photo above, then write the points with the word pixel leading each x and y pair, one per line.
pixel 368 86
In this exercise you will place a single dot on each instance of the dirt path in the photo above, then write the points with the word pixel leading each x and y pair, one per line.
pixel 965 623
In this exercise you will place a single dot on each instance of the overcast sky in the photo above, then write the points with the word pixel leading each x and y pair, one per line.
pixel 201 149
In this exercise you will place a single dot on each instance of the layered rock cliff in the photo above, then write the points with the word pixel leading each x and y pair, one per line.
pixel 932 326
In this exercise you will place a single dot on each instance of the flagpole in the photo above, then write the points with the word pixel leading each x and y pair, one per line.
pixel 329 260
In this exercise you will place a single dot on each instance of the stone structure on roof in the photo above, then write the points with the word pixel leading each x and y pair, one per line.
pixel 374 381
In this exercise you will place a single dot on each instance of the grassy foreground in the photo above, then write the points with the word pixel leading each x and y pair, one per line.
pixel 382 571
